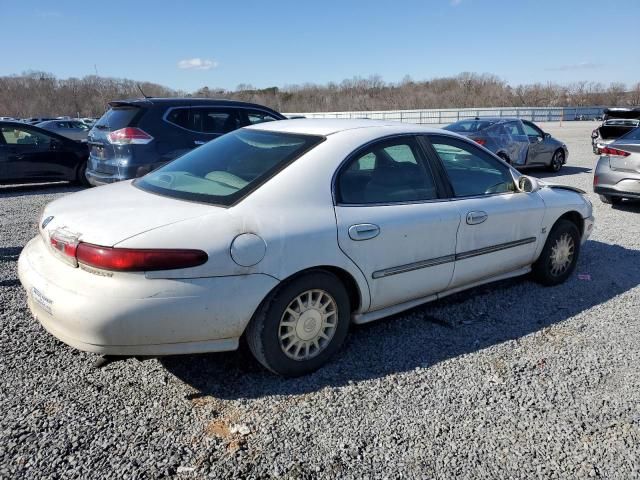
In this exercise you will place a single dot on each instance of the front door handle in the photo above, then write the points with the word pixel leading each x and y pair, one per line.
pixel 476 217
pixel 363 231
pixel 199 142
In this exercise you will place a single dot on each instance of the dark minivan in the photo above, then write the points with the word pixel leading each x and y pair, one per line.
pixel 136 136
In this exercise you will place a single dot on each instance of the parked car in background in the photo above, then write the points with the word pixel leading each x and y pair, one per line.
pixel 137 136
pixel 8 119
pixel 88 121
pixel 73 129
pixel 519 142
pixel 617 174
pixel 286 232
pixel 36 120
pixel 617 122
pixel 31 154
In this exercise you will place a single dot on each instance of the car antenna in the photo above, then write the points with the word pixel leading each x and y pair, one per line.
pixel 140 88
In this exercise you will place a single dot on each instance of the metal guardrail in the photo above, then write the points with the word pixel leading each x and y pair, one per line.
pixel 443 116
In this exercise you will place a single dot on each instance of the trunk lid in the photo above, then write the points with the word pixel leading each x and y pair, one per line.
pixel 630 163
pixel 110 214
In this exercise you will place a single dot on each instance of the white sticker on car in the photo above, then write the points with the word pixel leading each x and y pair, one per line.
pixel 42 300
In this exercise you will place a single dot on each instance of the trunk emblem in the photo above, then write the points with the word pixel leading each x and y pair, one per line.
pixel 46 222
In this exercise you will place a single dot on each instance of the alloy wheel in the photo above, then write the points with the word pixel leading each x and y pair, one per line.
pixel 562 254
pixel 308 324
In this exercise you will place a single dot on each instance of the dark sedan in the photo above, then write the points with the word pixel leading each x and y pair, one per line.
pixel 29 154
pixel 519 142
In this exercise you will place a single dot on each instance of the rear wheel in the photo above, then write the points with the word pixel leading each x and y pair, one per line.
pixel 301 325
pixel 81 175
pixel 559 255
pixel 556 161
pixel 611 200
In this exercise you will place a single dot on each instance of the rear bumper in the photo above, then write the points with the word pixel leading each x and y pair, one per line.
pixel 96 179
pixel 616 183
pixel 129 314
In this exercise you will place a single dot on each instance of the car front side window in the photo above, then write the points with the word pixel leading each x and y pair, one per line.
pixel 471 171
pixel 532 131
pixel 390 171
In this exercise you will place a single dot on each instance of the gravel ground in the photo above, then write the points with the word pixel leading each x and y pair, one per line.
pixel 510 380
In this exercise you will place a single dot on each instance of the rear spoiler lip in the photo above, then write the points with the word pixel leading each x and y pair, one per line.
pixel 129 103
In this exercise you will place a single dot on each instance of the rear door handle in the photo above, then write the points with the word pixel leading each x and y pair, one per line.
pixel 476 217
pixel 199 142
pixel 363 231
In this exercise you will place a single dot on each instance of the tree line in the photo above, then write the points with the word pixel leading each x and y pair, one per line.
pixel 34 94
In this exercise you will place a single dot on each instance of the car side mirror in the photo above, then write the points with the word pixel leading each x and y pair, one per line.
pixel 547 135
pixel 528 184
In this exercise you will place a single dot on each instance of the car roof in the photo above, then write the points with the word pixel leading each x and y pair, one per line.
pixel 329 126
pixel 178 101
pixel 489 119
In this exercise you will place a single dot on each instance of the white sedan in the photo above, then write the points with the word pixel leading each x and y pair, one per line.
pixel 286 232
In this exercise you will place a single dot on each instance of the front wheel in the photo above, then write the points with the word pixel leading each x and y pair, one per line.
pixel 559 255
pixel 556 161
pixel 301 325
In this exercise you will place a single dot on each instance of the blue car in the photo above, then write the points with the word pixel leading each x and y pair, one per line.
pixel 519 142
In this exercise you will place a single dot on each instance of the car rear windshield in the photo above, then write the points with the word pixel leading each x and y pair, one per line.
pixel 466 126
pixel 117 117
pixel 632 135
pixel 227 169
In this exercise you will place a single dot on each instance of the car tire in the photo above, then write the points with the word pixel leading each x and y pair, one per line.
pixel 81 177
pixel 559 255
pixel 301 325
pixel 608 199
pixel 556 161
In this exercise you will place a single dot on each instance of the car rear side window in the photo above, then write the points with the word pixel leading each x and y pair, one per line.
pixel 471 171
pixel 469 126
pixel 228 168
pixel 391 171
pixel 209 120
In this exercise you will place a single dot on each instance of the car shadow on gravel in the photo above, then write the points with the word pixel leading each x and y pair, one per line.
pixel 628 206
pixel 566 170
pixel 38 189
pixel 427 335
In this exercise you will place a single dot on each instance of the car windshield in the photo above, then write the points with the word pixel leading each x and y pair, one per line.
pixel 228 168
pixel 466 126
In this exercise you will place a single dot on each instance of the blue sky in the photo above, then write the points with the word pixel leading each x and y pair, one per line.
pixel 189 44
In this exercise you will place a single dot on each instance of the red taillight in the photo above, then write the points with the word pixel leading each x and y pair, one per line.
pixel 138 260
pixel 479 141
pixel 129 135
pixel 63 245
pixel 614 151
pixel 595 180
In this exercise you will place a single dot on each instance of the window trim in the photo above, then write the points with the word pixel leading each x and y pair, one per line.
pixel 346 162
pixel 427 138
pixel 222 107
